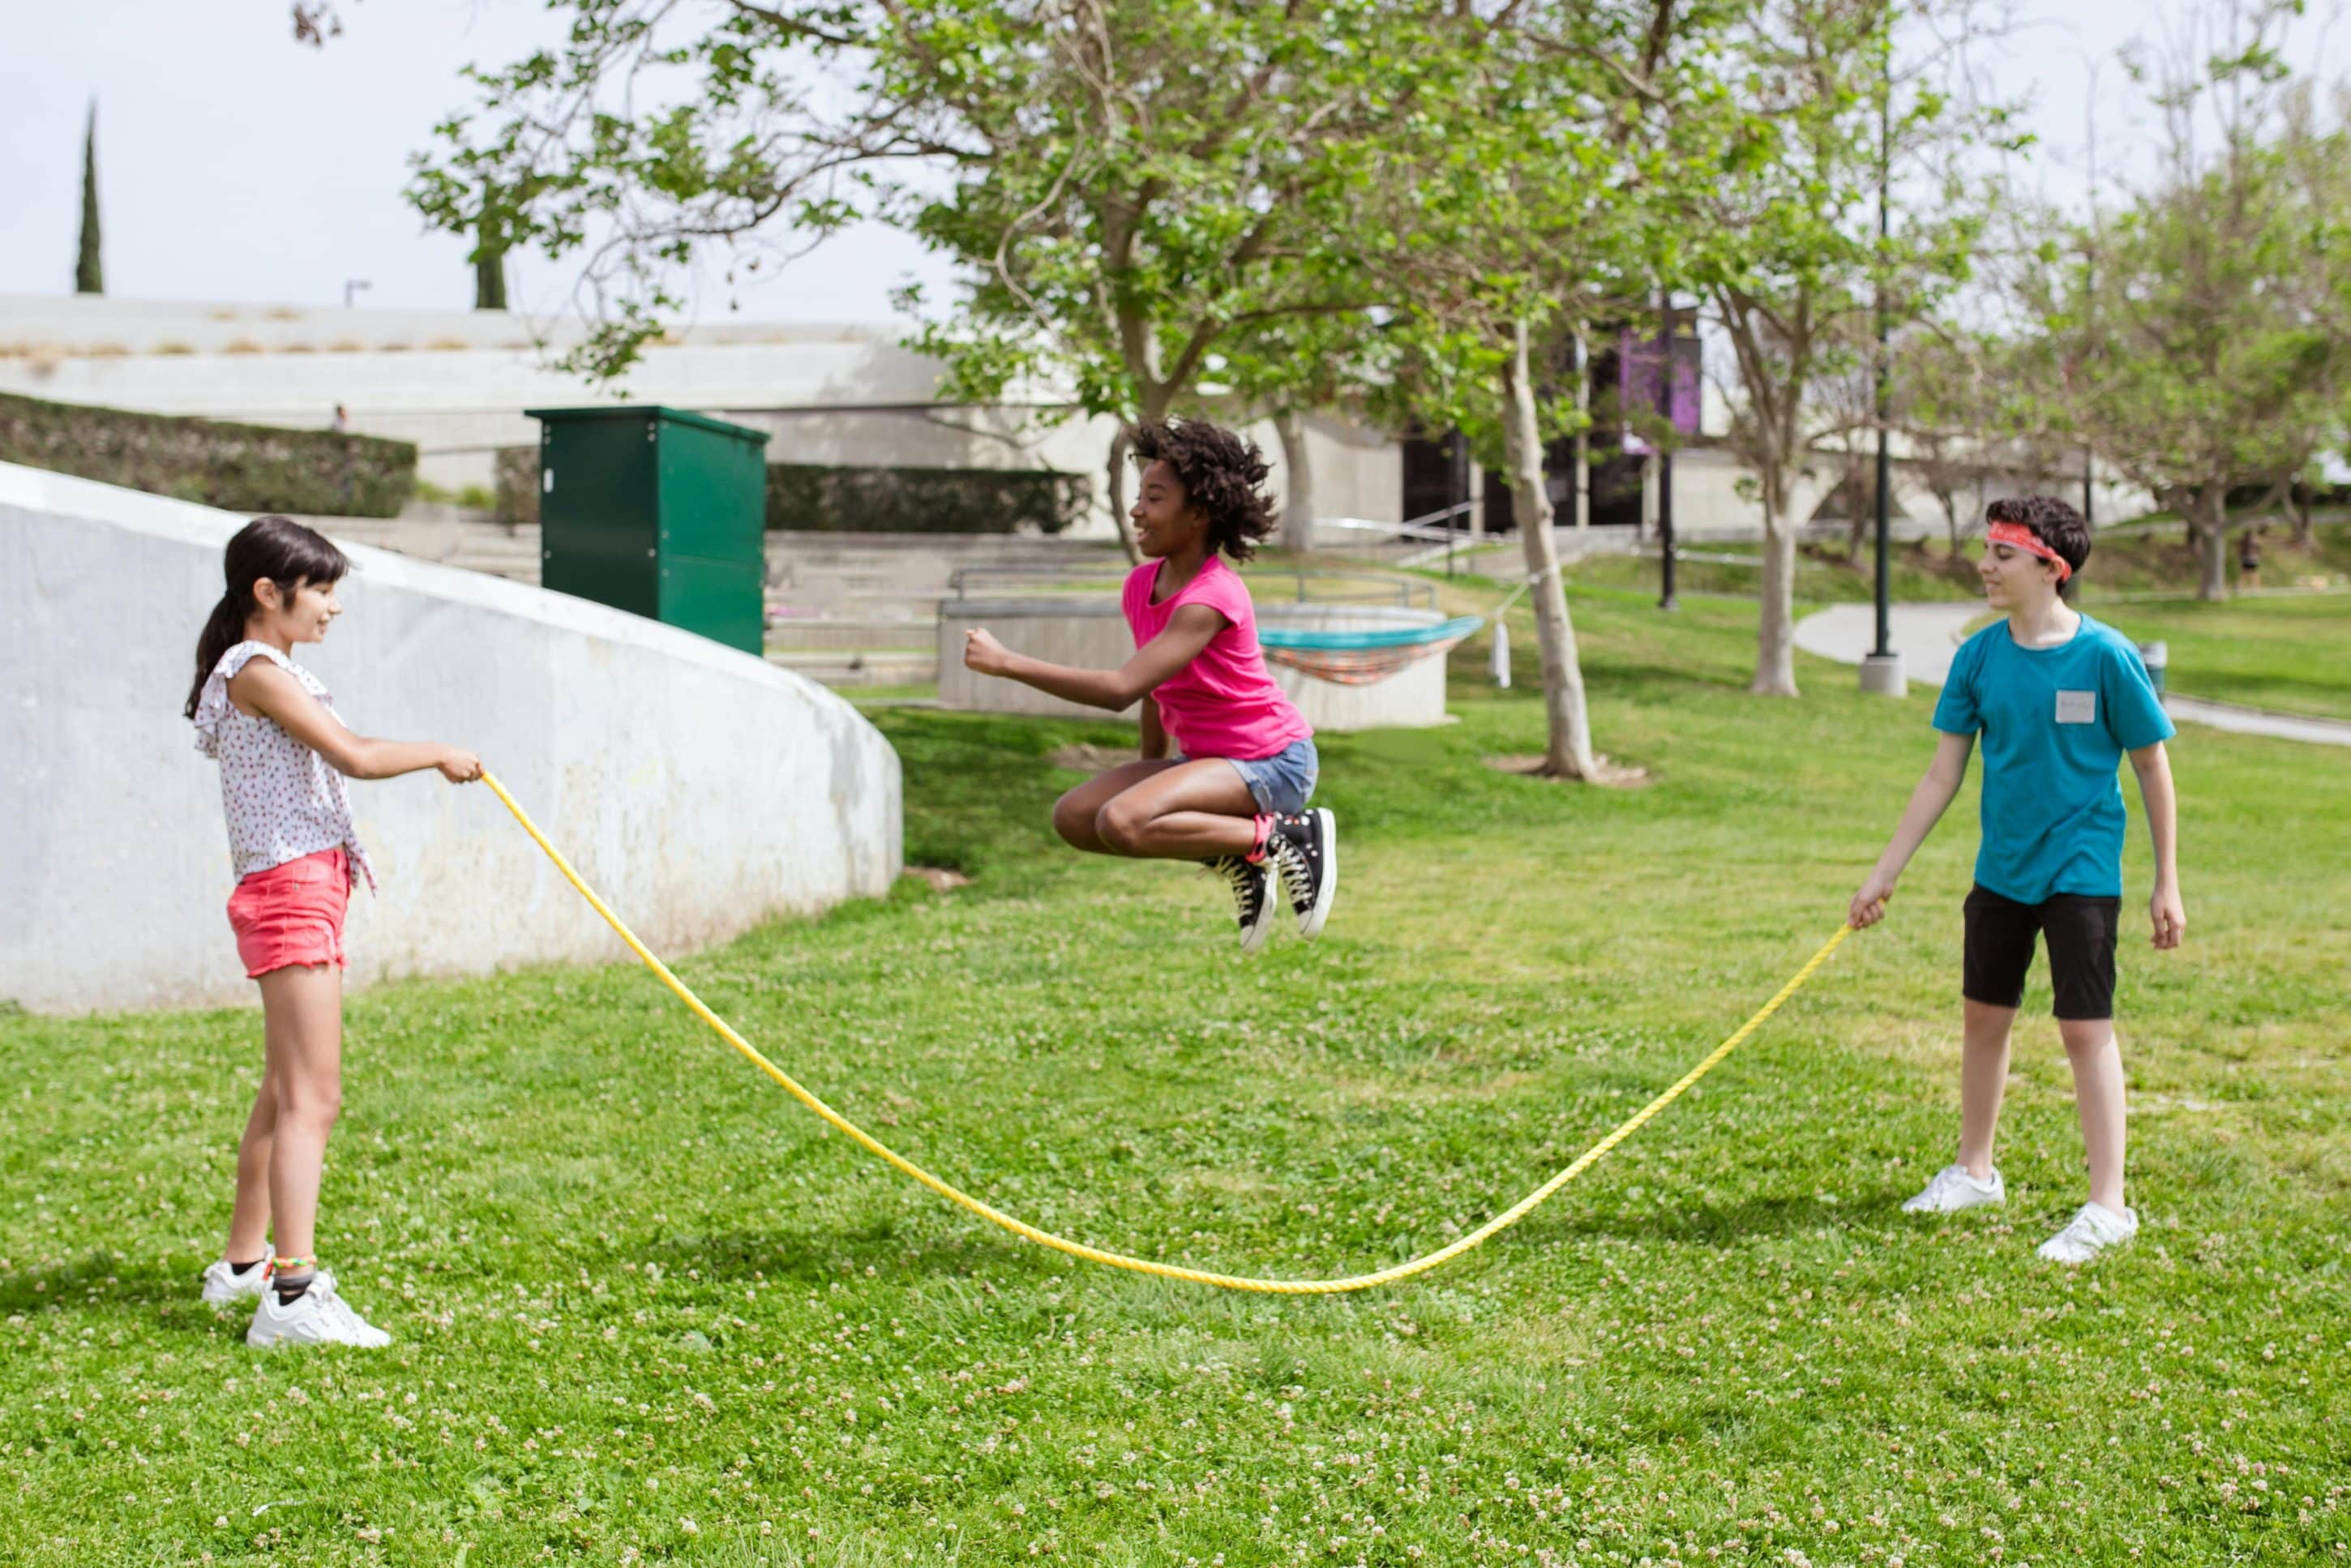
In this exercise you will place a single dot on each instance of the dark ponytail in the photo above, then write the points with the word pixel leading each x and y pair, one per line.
pixel 277 548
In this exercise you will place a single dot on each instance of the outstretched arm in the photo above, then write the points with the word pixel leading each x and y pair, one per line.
pixel 2153 766
pixel 1941 781
pixel 1187 632
pixel 270 692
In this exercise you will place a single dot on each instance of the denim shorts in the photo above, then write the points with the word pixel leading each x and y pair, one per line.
pixel 1281 784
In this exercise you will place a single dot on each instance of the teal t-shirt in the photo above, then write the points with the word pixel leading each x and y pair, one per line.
pixel 2055 724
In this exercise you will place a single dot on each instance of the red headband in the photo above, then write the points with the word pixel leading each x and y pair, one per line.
pixel 2018 537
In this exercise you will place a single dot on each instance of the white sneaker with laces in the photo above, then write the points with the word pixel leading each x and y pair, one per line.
pixel 223 1286
pixel 317 1316
pixel 1954 1189
pixel 2094 1229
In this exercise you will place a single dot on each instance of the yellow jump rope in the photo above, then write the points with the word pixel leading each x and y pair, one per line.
pixel 1388 1276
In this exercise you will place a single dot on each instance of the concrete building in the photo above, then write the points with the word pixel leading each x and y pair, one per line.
pixel 456 383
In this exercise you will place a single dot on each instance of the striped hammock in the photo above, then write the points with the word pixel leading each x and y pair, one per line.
pixel 1361 658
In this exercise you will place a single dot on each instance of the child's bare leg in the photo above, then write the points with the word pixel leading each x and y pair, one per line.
pixel 304 1010
pixel 248 1224
pixel 2099 1097
pixel 1194 810
pixel 1074 813
pixel 1983 1079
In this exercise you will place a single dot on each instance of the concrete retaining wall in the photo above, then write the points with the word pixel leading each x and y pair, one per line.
pixel 1092 633
pixel 701 789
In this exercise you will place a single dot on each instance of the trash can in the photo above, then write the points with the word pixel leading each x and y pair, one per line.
pixel 2154 657
pixel 659 512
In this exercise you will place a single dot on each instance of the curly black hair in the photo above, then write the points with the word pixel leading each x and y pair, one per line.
pixel 2052 522
pixel 1223 477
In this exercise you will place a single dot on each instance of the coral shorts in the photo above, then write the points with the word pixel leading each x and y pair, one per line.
pixel 292 914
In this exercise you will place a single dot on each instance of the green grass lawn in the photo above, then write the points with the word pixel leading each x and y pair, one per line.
pixel 2125 565
pixel 2288 652
pixel 649 1311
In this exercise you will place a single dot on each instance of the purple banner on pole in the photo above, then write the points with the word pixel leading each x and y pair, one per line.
pixel 1640 366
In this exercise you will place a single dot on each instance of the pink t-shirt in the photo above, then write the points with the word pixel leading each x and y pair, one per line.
pixel 1224 703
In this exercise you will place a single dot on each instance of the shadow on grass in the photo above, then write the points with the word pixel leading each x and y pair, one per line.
pixel 817 1256
pixel 99 1285
pixel 1715 1225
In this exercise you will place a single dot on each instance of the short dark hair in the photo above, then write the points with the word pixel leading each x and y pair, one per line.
pixel 2052 522
pixel 1222 474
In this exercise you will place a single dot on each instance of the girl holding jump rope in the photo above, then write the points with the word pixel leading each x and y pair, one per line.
pixel 284 755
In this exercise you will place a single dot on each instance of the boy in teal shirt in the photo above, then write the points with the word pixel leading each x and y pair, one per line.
pixel 2059 700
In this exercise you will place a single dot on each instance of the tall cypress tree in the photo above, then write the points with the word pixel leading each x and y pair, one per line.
pixel 90 278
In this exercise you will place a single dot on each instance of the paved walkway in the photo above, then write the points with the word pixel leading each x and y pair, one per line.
pixel 1927 636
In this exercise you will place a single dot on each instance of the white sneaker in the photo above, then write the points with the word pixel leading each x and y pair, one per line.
pixel 317 1316
pixel 1954 1189
pixel 2093 1229
pixel 223 1286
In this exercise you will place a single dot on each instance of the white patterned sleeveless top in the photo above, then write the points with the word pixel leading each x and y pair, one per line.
pixel 282 800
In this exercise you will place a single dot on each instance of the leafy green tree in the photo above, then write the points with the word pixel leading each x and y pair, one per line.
pixel 2195 338
pixel 1786 243
pixel 1545 208
pixel 1131 189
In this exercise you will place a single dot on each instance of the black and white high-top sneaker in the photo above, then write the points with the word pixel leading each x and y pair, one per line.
pixel 1252 896
pixel 1304 852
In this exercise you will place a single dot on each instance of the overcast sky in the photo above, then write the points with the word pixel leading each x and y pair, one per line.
pixel 235 165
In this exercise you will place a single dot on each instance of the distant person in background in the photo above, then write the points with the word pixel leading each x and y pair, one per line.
pixel 2248 560
pixel 348 486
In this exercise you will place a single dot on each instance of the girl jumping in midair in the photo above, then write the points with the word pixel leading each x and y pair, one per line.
pixel 284 755
pixel 1233 795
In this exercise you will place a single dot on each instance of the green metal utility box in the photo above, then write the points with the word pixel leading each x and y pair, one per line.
pixel 658 512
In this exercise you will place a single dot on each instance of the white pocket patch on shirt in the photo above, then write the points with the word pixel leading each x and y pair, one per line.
pixel 2077 707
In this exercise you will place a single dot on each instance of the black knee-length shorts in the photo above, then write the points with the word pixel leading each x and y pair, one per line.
pixel 2080 930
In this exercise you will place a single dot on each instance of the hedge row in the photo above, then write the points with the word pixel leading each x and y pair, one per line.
pixel 236 467
pixel 922 500
pixel 868 501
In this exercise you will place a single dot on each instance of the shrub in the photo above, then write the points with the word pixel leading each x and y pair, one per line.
pixel 517 485
pixel 236 467
pixel 922 500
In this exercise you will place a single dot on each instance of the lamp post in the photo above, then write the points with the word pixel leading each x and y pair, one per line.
pixel 1881 671
pixel 1666 599
pixel 351 285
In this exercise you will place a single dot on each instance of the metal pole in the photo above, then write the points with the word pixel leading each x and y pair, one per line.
pixel 1881 673
pixel 1666 599
pixel 1885 465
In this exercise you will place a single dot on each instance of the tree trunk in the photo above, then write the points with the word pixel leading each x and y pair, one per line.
pixel 1117 469
pixel 1296 483
pixel 1568 750
pixel 1582 490
pixel 1775 627
pixel 2298 506
pixel 490 282
pixel 2211 534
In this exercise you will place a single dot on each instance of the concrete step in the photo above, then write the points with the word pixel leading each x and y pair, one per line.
pixel 832 635
pixel 860 669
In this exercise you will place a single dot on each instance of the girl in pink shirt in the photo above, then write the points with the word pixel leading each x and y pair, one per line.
pixel 1233 794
